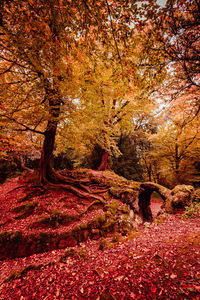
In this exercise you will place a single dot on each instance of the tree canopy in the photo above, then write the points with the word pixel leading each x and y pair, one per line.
pixel 79 74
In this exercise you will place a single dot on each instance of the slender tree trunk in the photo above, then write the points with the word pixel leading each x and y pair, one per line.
pixel 149 170
pixel 177 163
pixel 104 165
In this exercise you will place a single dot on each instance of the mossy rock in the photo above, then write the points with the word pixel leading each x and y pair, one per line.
pixel 97 222
pixel 181 196
pixel 112 207
pixel 125 224
pixel 81 233
pixel 82 253
pixel 12 237
pixel 161 218
pixel 18 274
pixel 54 220
pixel 25 210
pixel 104 244
pixel 66 239
pixel 71 252
pixel 45 242
pixel 125 209
pixel 93 206
pixel 192 211
pixel 125 194
pixel 95 234
pixel 110 226
pixel 196 196
pixel 189 189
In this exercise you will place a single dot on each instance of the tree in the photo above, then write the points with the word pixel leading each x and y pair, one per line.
pixel 173 33
pixel 108 101
pixel 128 164
pixel 176 29
pixel 181 23
pixel 176 144
pixel 38 42
pixel 146 126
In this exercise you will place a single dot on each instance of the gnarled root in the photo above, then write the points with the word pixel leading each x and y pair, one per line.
pixel 81 187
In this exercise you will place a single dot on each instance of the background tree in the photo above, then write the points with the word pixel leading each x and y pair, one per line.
pixel 175 145
pixel 176 29
pixel 128 164
pixel 108 100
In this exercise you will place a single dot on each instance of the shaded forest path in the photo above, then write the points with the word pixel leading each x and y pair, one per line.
pixel 156 203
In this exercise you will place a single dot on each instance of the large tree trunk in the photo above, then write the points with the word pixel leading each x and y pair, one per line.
pixel 45 173
pixel 45 169
pixel 104 165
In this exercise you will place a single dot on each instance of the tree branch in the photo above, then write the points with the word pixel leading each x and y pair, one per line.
pixel 113 33
pixel 86 5
pixel 26 128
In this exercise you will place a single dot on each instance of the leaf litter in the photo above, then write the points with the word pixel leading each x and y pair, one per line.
pixel 162 262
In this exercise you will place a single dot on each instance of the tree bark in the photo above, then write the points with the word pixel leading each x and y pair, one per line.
pixel 45 169
pixel 45 173
pixel 149 170
pixel 177 163
pixel 104 165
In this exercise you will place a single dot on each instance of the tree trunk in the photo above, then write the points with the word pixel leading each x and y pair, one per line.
pixel 177 163
pixel 149 170
pixel 45 169
pixel 104 165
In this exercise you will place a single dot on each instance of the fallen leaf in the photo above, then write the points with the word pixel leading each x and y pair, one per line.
pixel 132 295
pixel 173 276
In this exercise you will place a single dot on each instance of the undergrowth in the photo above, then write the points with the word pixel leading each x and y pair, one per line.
pixel 192 211
pixel 17 274
pixel 81 254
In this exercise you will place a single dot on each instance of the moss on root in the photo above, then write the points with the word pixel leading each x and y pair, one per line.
pixel 54 220
pixel 160 219
pixel 25 210
pixel 18 274
pixel 114 218
pixel 80 253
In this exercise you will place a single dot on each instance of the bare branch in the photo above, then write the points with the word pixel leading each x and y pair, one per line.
pixel 12 61
pixel 26 128
pixel 87 7
pixel 113 33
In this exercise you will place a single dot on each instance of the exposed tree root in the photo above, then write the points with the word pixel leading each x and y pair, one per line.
pixel 76 191
pixel 32 194
pixel 96 202
pixel 92 189
pixel 80 187
pixel 17 188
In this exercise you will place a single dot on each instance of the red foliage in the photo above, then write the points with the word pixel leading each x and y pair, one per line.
pixel 160 262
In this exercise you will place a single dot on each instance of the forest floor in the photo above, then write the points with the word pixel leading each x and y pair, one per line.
pixel 160 260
